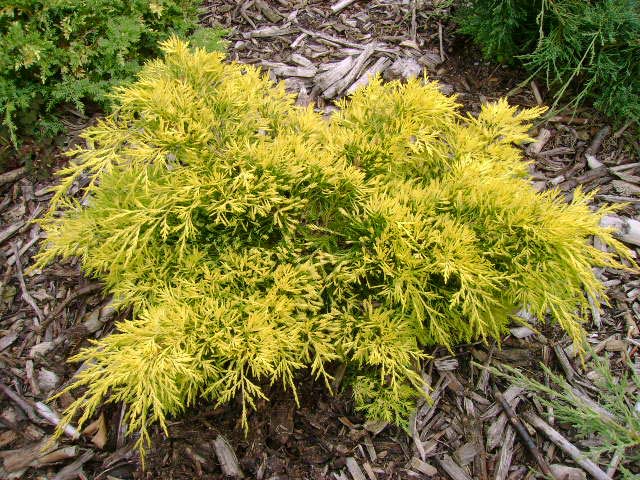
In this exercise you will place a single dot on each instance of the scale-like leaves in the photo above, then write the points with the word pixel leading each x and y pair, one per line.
pixel 254 239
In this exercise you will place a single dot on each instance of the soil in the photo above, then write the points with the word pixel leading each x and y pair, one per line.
pixel 322 437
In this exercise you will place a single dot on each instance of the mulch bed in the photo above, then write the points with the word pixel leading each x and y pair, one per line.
pixel 320 53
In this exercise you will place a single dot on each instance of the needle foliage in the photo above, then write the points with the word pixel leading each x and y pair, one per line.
pixel 589 47
pixel 610 420
pixel 72 52
pixel 255 240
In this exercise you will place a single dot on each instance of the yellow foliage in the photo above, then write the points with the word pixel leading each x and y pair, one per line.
pixel 254 239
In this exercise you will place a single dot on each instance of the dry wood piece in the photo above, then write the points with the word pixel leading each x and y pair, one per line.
pixel 541 140
pixel 576 455
pixel 10 231
pixel 53 418
pixel 568 473
pixel 628 229
pixel 86 290
pixel 341 5
pixel 343 83
pixel 524 435
pixel 284 70
pixel 354 469
pixel 271 31
pixel 20 402
pixel 455 471
pixel 227 458
pixel 12 175
pixel 74 469
pixel 59 455
pixel 423 467
pixel 496 429
pixel 23 286
pixel 509 394
pixel 370 473
pixel 599 137
pixel 506 454
pixel 20 459
pixel 569 372
pixel 268 12
pixel 335 72
pixel 373 70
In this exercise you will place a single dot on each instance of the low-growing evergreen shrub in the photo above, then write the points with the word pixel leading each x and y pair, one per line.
pixel 72 51
pixel 591 45
pixel 255 240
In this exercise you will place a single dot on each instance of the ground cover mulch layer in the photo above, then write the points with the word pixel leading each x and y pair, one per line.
pixel 322 50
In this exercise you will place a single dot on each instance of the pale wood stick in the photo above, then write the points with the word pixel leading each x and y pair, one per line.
pixel 524 435
pixel 579 457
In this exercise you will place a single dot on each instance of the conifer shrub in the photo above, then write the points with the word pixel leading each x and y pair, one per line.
pixel 590 46
pixel 256 241
pixel 73 52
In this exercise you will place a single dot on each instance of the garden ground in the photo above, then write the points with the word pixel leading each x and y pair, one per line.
pixel 321 52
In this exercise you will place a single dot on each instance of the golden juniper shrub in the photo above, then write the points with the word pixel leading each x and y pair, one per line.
pixel 255 240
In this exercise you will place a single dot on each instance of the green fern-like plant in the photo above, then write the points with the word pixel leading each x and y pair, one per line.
pixel 254 240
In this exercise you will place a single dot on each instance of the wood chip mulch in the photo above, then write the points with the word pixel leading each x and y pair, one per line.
pixel 470 429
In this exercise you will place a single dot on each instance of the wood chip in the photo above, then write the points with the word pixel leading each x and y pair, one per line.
pixel 568 473
pixel 7 340
pixel 227 458
pixel 455 471
pixel 12 175
pixel 354 70
pixel 10 231
pixel 341 5
pixel 354 469
pixel 576 455
pixel 371 72
pixel 423 467
pixel 74 469
pixel 271 31
pixel 269 13
pixel 506 454
pixel 627 229
pixel 284 70
pixel 467 452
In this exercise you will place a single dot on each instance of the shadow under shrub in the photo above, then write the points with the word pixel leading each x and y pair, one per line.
pixel 592 46
pixel 255 240
pixel 71 51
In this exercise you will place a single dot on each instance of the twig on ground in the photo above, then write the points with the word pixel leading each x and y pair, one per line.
pixel 524 434
pixel 86 290
pixel 23 286
pixel 441 42
pixel 579 457
pixel 414 24
pixel 614 464
pixel 24 405
pixel 52 417
pixel 569 372
pixel 341 5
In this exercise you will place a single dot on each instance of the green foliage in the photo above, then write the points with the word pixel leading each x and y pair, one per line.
pixel 73 52
pixel 253 239
pixel 612 417
pixel 592 45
